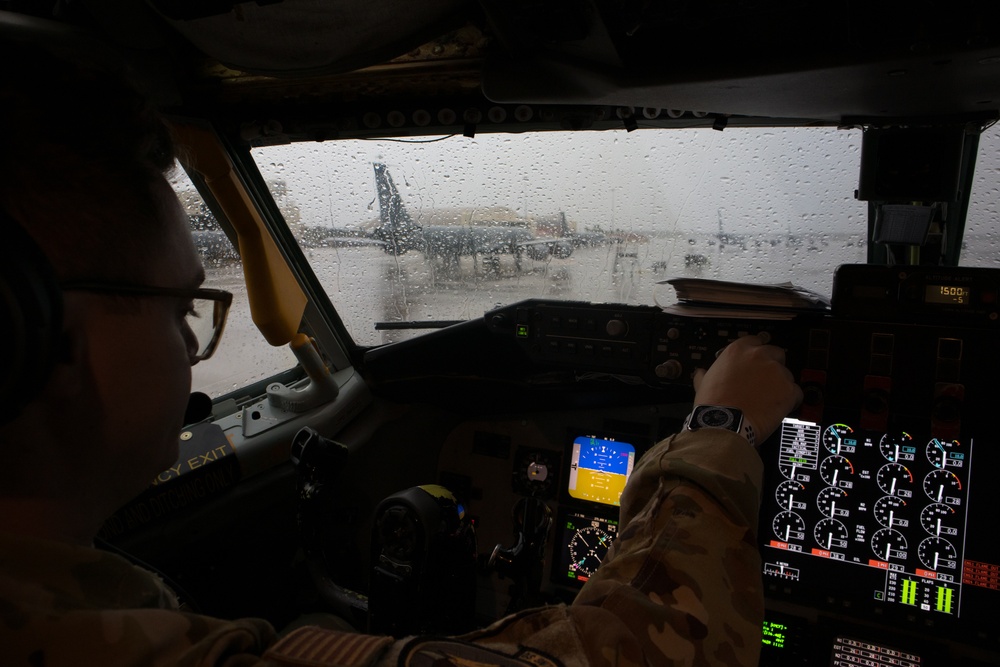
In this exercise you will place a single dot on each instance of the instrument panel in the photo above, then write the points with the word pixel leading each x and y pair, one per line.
pixel 878 509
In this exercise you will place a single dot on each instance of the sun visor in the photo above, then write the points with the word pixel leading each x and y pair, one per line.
pixel 277 302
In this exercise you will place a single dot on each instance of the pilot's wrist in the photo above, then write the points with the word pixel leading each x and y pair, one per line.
pixel 721 417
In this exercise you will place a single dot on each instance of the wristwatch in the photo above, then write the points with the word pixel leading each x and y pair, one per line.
pixel 718 416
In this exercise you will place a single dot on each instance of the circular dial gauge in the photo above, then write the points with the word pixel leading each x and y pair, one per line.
pixel 832 501
pixel 893 478
pixel 837 436
pixel 942 486
pixel 898 447
pixel 944 453
pixel 830 534
pixel 889 543
pixel 789 470
pixel 786 492
pixel 587 548
pixel 535 473
pixel 937 553
pixel 938 519
pixel 889 510
pixel 835 469
pixel 788 526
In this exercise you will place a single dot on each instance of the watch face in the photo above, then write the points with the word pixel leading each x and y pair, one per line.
pixel 713 417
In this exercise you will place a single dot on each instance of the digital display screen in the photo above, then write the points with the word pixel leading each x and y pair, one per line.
pixel 886 512
pixel 584 542
pixel 599 468
pixel 950 294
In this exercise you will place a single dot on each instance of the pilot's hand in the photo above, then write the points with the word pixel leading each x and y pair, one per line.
pixel 750 376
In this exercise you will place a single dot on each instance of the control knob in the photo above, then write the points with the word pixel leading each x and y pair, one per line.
pixel 670 369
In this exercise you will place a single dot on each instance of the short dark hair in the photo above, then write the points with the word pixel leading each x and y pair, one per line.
pixel 82 160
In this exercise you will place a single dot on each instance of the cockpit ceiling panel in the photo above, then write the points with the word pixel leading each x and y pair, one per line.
pixel 303 37
pixel 966 83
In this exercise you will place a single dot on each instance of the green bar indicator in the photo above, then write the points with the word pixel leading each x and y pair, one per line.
pixel 909 592
pixel 944 599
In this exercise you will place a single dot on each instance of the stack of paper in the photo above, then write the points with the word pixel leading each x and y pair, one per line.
pixel 697 296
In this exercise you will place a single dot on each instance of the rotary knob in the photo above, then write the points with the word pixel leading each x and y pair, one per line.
pixel 616 328
pixel 670 369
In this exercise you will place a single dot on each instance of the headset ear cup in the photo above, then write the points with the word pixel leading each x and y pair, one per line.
pixel 30 318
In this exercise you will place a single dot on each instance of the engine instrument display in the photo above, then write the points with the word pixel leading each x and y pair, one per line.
pixel 599 468
pixel 886 512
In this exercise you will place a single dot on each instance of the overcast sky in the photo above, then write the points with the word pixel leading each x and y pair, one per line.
pixel 767 180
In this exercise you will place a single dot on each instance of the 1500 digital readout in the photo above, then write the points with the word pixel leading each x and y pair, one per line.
pixel 953 294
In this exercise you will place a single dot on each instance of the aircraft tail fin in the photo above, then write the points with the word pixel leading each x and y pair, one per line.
pixel 395 228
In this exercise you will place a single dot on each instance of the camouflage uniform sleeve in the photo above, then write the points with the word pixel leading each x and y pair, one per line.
pixel 681 586
pixel 684 574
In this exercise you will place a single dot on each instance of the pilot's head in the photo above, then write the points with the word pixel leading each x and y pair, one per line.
pixel 82 172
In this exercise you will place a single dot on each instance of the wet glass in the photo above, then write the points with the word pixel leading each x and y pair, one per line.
pixel 981 242
pixel 243 356
pixel 469 224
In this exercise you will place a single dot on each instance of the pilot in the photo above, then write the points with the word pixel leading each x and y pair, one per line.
pixel 89 220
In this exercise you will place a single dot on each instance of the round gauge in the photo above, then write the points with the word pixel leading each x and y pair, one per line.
pixel 831 501
pixel 938 519
pixel 898 447
pixel 835 469
pixel 836 436
pixel 535 473
pixel 889 510
pixel 788 525
pixel 830 534
pixel 889 543
pixel 587 548
pixel 786 492
pixel 944 453
pixel 942 486
pixel 937 553
pixel 894 477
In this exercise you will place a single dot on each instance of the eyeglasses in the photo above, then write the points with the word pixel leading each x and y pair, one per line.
pixel 206 328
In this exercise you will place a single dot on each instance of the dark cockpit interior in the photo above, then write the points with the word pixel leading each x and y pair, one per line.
pixel 445 468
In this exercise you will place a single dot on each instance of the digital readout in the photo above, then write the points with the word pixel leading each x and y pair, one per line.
pixel 599 469
pixel 952 294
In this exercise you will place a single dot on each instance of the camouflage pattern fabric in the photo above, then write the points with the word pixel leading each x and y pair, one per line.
pixel 681 586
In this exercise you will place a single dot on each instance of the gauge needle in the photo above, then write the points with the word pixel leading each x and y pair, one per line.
pixel 897 453
pixel 788 531
pixel 833 508
pixel 938 526
pixel 791 499
pixel 835 473
pixel 829 540
pixel 890 518
pixel 940 493
pixel 935 561
pixel 888 548
pixel 892 489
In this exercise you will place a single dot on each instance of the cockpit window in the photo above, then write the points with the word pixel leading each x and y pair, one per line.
pixel 438 230
pixel 243 356
pixel 981 242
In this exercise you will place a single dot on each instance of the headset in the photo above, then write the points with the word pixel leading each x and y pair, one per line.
pixel 31 313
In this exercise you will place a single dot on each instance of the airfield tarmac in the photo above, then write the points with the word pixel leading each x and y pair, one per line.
pixel 367 286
